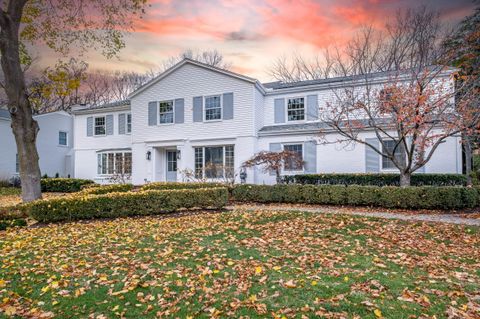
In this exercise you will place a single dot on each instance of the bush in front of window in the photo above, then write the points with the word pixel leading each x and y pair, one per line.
pixel 420 197
pixel 64 185
pixel 179 185
pixel 376 179
pixel 123 204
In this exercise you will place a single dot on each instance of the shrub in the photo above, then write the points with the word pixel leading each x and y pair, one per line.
pixel 376 179
pixel 179 185
pixel 7 223
pixel 8 191
pixel 64 185
pixel 148 202
pixel 95 189
pixel 422 197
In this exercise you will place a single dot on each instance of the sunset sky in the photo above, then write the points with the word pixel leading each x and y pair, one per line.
pixel 251 34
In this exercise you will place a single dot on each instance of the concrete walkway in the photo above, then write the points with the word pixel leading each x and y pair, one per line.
pixel 435 218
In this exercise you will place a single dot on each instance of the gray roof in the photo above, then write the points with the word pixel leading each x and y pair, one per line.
pixel 293 128
pixel 284 85
pixel 104 106
pixel 4 114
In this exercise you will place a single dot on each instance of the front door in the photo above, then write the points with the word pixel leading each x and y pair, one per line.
pixel 171 166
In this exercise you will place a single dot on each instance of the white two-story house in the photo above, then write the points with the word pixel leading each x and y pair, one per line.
pixel 199 120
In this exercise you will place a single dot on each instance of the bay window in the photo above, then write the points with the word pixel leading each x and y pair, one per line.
pixel 214 162
pixel 110 163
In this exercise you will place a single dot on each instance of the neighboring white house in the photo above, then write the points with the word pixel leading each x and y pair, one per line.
pixel 194 115
pixel 54 144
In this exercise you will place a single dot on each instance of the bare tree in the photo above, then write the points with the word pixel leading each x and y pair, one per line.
pixel 210 57
pixel 415 111
pixel 59 24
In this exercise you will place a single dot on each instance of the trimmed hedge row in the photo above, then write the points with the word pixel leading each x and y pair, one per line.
pixel 148 202
pixel 96 189
pixel 422 197
pixel 7 223
pixel 376 179
pixel 64 185
pixel 180 185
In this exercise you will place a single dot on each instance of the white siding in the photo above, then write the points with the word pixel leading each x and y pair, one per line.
pixel 86 147
pixel 8 149
pixel 187 82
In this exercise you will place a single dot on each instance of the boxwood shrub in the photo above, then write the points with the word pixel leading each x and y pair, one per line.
pixel 422 197
pixel 118 204
pixel 179 185
pixel 376 179
pixel 64 185
pixel 95 189
pixel 7 223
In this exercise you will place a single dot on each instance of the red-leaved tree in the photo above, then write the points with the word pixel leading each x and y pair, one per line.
pixel 273 162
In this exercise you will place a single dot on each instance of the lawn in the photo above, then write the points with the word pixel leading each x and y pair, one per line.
pixel 234 264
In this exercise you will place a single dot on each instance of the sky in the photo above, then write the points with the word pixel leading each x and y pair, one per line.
pixel 251 34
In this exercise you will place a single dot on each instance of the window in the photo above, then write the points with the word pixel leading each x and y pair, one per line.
pixel 17 163
pixel 100 125
pixel 166 112
pixel 292 165
pixel 114 163
pixel 62 138
pixel 296 109
pixel 171 161
pixel 129 123
pixel 213 108
pixel 214 162
pixel 388 147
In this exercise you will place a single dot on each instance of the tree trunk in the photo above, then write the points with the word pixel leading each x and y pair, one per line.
pixel 405 179
pixel 467 148
pixel 24 127
pixel 278 176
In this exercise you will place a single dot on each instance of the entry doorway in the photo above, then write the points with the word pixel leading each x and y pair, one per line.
pixel 171 169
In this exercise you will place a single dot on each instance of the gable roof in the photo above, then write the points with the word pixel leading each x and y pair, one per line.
pixel 199 64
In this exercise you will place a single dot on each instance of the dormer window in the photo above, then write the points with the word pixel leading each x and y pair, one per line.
pixel 296 109
pixel 213 108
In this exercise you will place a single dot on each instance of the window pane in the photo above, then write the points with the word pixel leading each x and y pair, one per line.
pixel 292 165
pixel 99 163
pixel 127 163
pixel 111 163
pixel 129 123
pixel 214 162
pixel 119 163
pixel 100 125
pixel 388 147
pixel 171 161
pixel 229 161
pixel 198 162
pixel 62 138
pixel 296 109
pixel 213 108
pixel 166 112
pixel 17 164
pixel 104 163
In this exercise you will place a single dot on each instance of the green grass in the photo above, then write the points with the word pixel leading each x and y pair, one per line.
pixel 255 264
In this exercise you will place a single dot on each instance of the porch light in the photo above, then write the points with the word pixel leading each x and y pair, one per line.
pixel 149 155
pixel 179 155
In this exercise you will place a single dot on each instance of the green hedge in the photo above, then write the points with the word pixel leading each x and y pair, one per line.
pixel 148 202
pixel 96 189
pixel 422 197
pixel 64 185
pixel 376 179
pixel 7 223
pixel 179 185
